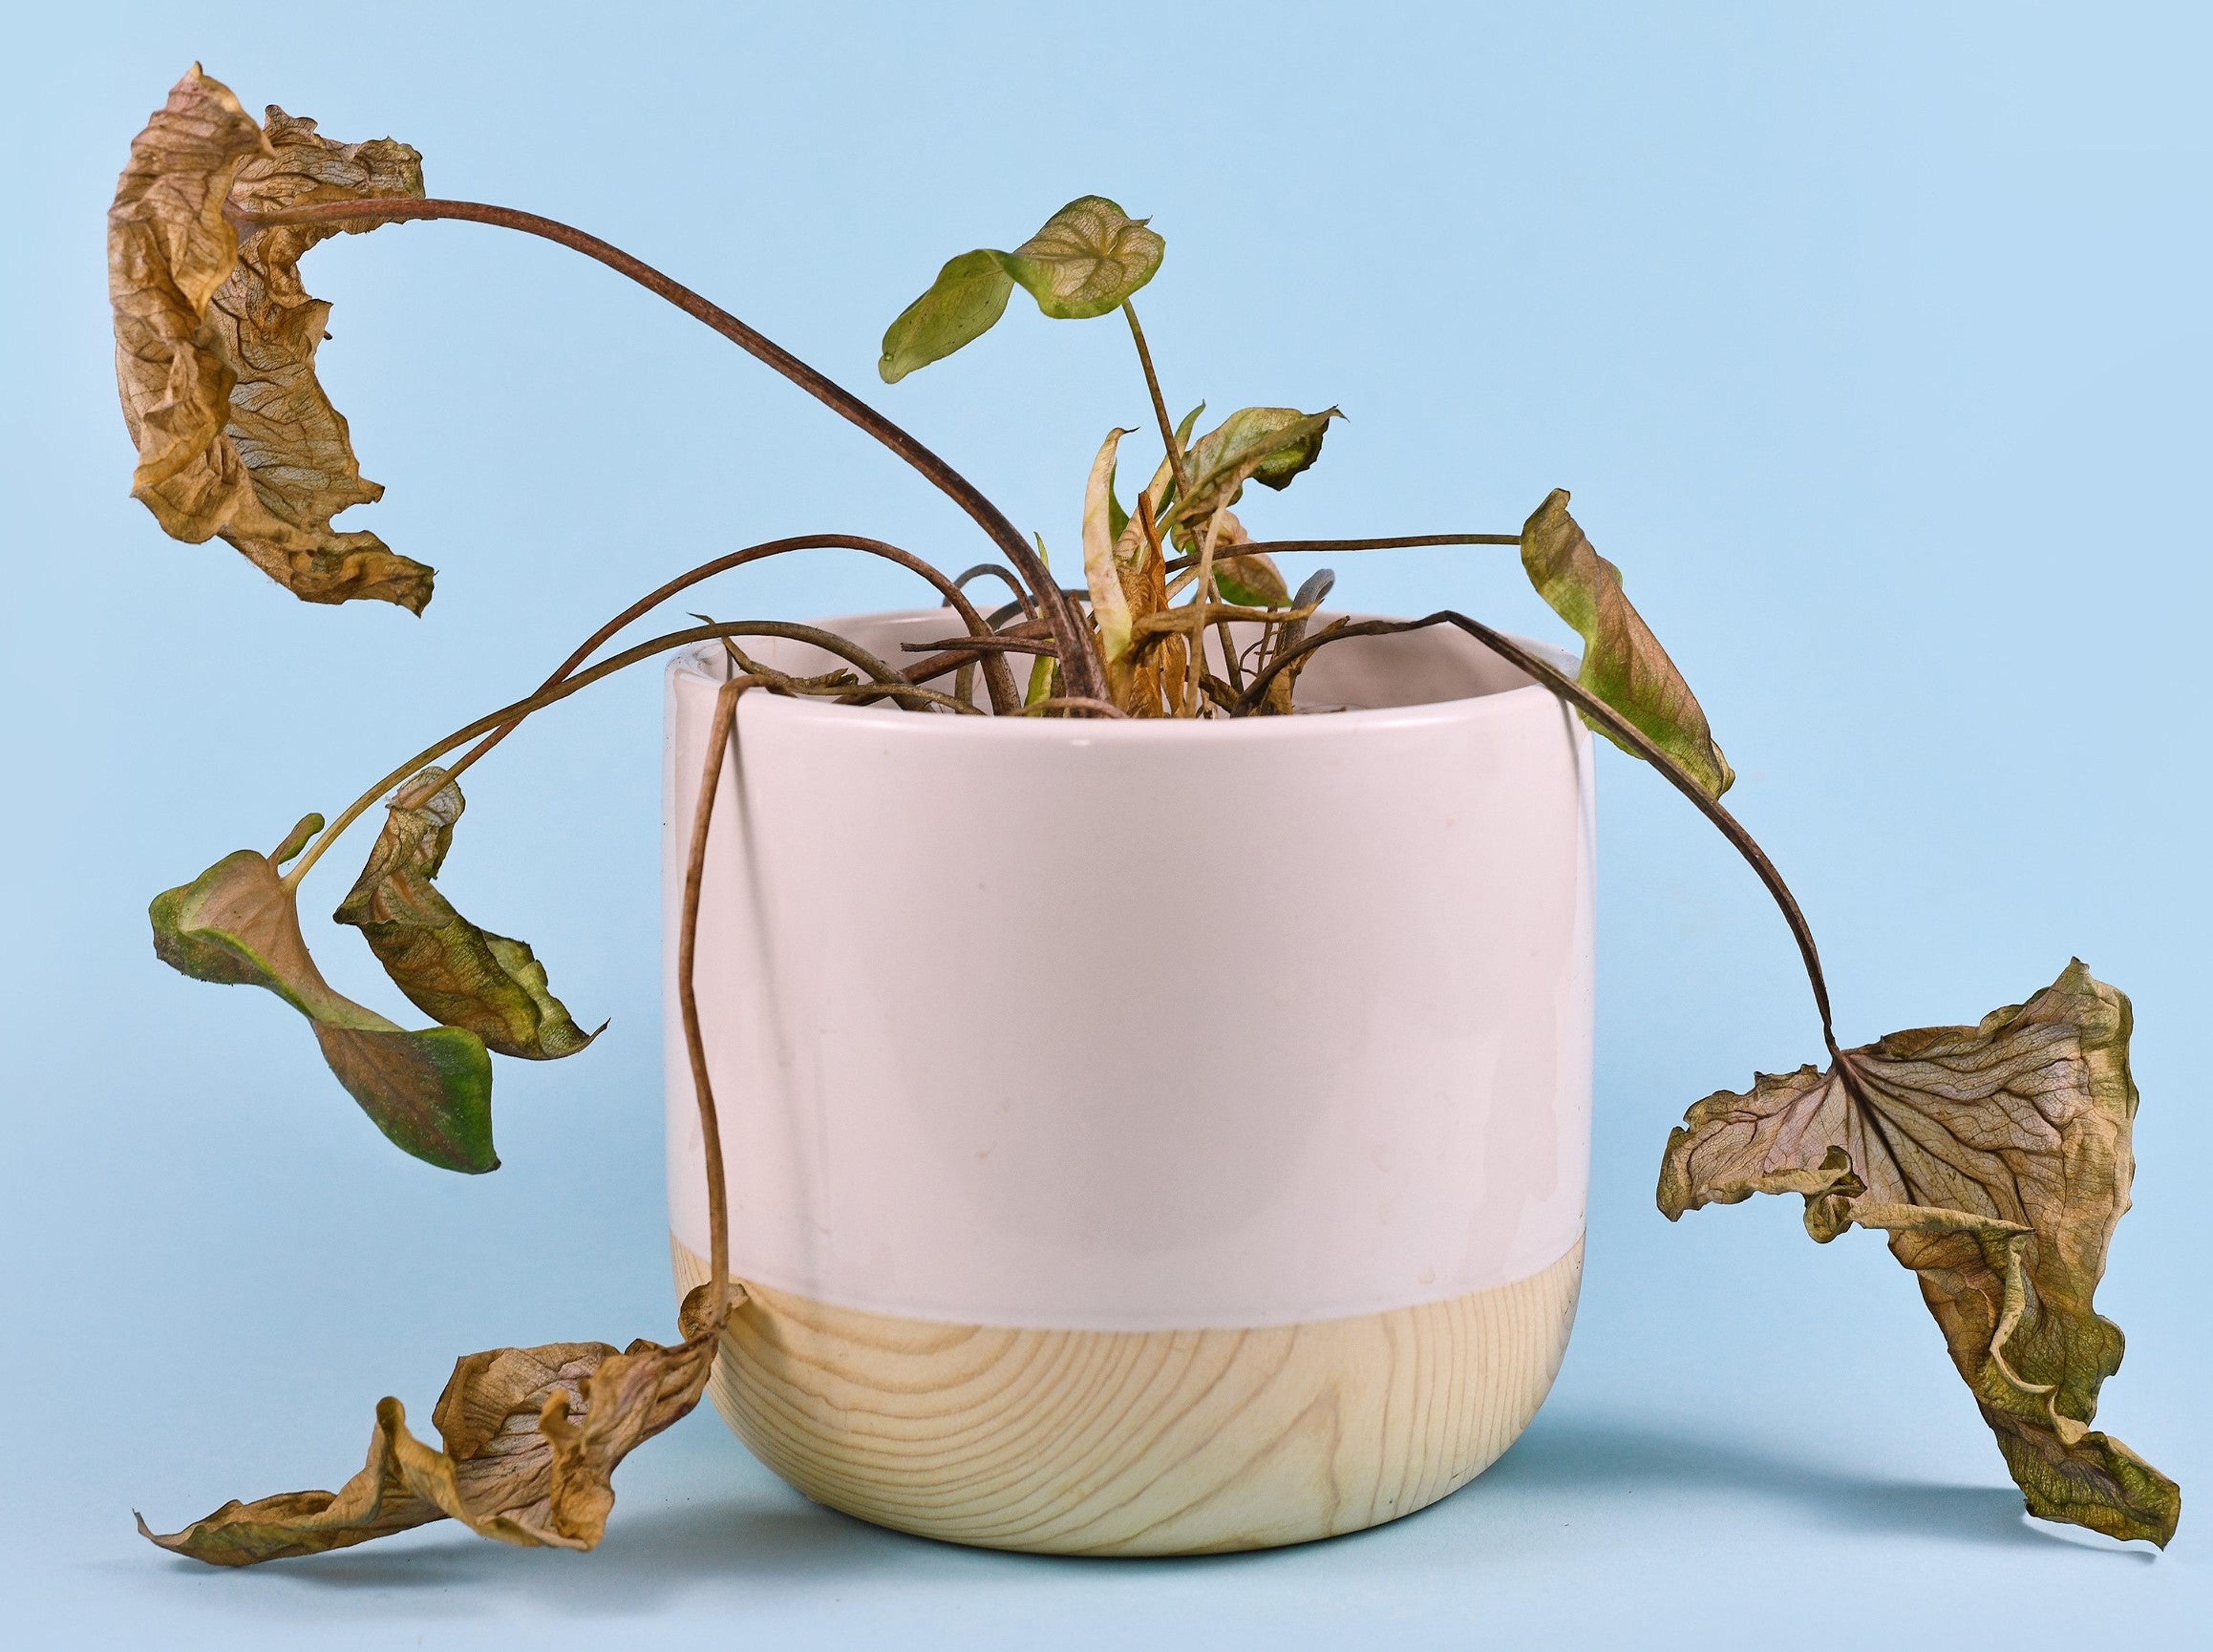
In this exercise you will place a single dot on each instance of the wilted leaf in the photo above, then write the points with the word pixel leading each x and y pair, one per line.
pixel 1623 663
pixel 1997 1159
pixel 450 969
pixel 1087 259
pixel 215 344
pixel 1110 610
pixel 1267 445
pixel 531 1438
pixel 430 1092
pixel 1252 580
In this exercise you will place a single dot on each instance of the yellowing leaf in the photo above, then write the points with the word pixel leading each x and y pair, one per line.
pixel 430 1092
pixel 1996 1157
pixel 1623 663
pixel 215 343
pixel 1252 579
pixel 1087 259
pixel 963 304
pixel 1089 256
pixel 531 1439
pixel 1110 609
pixel 450 969
pixel 1267 445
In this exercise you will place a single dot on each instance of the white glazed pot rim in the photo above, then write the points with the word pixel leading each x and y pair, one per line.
pixel 707 659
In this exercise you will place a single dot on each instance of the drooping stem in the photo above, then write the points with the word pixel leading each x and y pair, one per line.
pixel 1075 643
pixel 1003 698
pixel 695 1044
pixel 887 682
pixel 1159 404
pixel 1622 730
pixel 1405 541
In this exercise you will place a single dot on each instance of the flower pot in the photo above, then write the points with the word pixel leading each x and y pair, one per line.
pixel 1143 1137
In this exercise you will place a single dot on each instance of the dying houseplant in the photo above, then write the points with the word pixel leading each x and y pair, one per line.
pixel 1995 1157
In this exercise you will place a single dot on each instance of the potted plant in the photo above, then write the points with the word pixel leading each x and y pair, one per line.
pixel 1159 1007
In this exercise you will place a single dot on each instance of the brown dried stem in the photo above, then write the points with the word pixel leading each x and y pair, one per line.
pixel 695 1043
pixel 1081 664
pixel 1622 730
pixel 892 683
pixel 1401 542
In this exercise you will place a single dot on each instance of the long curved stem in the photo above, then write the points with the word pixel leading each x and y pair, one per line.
pixel 956 598
pixel 1400 542
pixel 887 682
pixel 1074 641
pixel 1622 730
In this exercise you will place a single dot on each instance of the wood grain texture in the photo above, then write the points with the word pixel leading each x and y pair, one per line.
pixel 1136 1442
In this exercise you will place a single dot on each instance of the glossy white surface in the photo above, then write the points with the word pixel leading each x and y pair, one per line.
pixel 1134 1026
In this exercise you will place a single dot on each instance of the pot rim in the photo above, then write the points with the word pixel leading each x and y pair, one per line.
pixel 694 661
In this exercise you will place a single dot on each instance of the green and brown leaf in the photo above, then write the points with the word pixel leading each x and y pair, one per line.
pixel 450 970
pixel 1089 257
pixel 1996 1157
pixel 215 343
pixel 239 922
pixel 1623 663
pixel 1267 445
pixel 531 1438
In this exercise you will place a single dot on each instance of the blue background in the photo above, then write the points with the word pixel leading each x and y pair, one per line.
pixel 1872 342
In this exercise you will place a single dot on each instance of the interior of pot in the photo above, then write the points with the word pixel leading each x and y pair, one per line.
pixel 1359 673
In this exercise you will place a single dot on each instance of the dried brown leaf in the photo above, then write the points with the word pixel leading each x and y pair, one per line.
pixel 216 342
pixel 451 970
pixel 1996 1157
pixel 531 1438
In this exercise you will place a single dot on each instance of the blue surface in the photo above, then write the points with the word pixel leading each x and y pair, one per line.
pixel 1874 344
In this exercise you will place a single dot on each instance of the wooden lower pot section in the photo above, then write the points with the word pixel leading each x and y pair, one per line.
pixel 1137 1443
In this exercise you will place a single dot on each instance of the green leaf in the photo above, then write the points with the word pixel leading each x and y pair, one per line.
pixel 1996 1157
pixel 961 306
pixel 1623 663
pixel 1267 445
pixel 1252 579
pixel 430 1092
pixel 450 969
pixel 1089 256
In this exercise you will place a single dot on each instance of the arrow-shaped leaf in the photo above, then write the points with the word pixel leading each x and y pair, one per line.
pixel 238 922
pixel 531 1439
pixel 450 969
pixel 1623 663
pixel 1089 256
pixel 216 342
pixel 1996 1157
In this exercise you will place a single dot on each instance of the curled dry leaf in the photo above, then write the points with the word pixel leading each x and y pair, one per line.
pixel 1267 445
pixel 1623 663
pixel 1087 259
pixel 214 342
pixel 1996 1157
pixel 450 969
pixel 531 1439
pixel 239 922
pixel 1110 609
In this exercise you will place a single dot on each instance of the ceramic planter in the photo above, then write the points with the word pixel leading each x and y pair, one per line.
pixel 1142 1137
